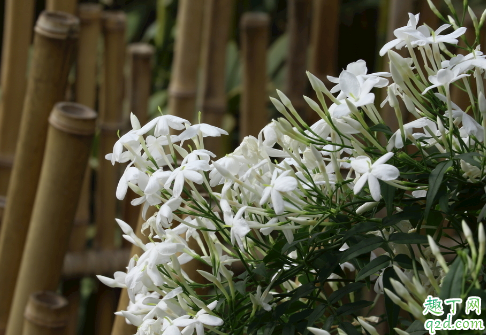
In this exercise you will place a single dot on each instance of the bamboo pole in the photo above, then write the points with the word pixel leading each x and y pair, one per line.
pixel 67 150
pixel 94 262
pixel 183 84
pixel 139 87
pixel 215 38
pixel 254 115
pixel 68 6
pixel 299 15
pixel 85 93
pixel 324 38
pixel 54 41
pixel 46 314
pixel 111 120
pixel 120 327
pixel 17 34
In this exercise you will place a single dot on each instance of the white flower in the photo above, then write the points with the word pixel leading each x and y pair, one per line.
pixel 360 70
pixel 373 172
pixel 279 184
pixel 401 34
pixel 117 281
pixel 205 129
pixel 130 139
pixel 239 226
pixel 162 124
pixel 422 36
pixel 444 77
pixel 165 215
pixel 262 299
pixel 189 172
pixel 197 323
pixel 354 89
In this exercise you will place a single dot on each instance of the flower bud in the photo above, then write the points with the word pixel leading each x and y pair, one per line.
pixel 369 328
pixel 278 105
pixel 366 207
pixel 482 103
pixel 286 101
pixel 316 83
pixel 134 121
pixel 392 98
pixel 312 104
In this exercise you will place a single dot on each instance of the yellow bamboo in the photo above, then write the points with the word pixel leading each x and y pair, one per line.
pixel 68 6
pixel 254 115
pixel 140 57
pixel 111 120
pixel 299 15
pixel 85 93
pixel 17 34
pixel 46 314
pixel 54 42
pixel 120 327
pixel 215 37
pixel 183 84
pixel 94 262
pixel 71 129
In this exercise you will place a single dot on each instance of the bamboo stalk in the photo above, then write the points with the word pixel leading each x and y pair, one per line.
pixel 140 56
pixel 85 93
pixel 67 150
pixel 427 15
pixel 183 84
pixel 17 34
pixel 94 262
pixel 55 39
pixel 120 327
pixel 111 120
pixel 215 38
pixel 254 115
pixel 68 6
pixel 299 15
pixel 46 314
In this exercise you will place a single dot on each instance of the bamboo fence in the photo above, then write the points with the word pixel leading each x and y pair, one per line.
pixel 54 42
pixel 218 15
pixel 71 129
pixel 140 57
pixel 46 314
pixel 254 115
pixel 187 49
pixel 85 93
pixel 17 34
pixel 67 6
pixel 298 21
pixel 110 122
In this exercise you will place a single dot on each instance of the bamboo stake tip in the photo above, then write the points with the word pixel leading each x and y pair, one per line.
pixel 47 309
pixel 57 24
pixel 90 11
pixel 114 20
pixel 254 20
pixel 141 49
pixel 73 118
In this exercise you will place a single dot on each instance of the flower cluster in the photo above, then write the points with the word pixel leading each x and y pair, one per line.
pixel 285 229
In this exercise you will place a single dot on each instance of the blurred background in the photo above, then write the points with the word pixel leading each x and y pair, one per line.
pixel 221 57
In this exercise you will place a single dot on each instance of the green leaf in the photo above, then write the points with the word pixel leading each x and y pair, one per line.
pixel 468 157
pixel 388 193
pixel 362 227
pixel 382 128
pixel 366 245
pixel 339 294
pixel 392 310
pixel 405 262
pixel 352 307
pixel 435 180
pixel 316 314
pixel 373 267
pixel 405 238
pixel 452 283
pixel 416 328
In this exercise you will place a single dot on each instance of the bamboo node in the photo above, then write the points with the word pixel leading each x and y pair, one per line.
pixel 251 20
pixel 174 92
pixel 142 50
pixel 6 160
pixel 59 25
pixel 73 118
pixel 114 20
pixel 89 11
pixel 47 309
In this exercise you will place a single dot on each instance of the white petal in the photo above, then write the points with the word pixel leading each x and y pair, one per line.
pixel 360 183
pixel 374 186
pixel 210 320
pixel 385 172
